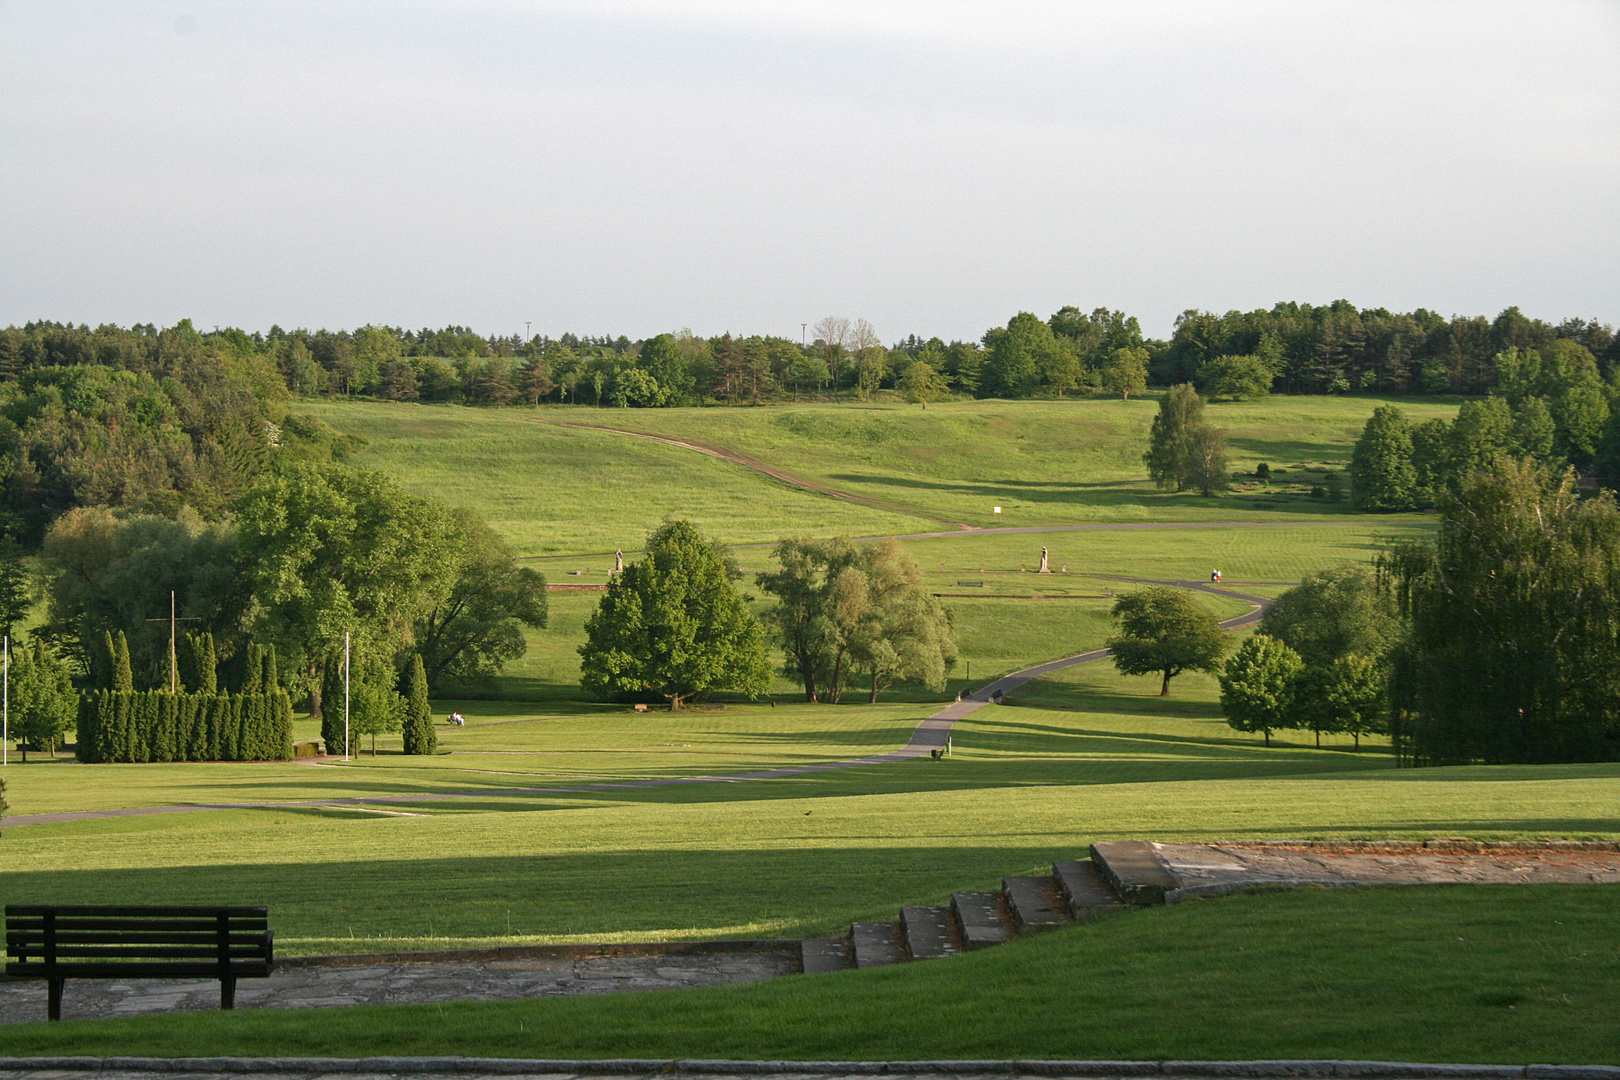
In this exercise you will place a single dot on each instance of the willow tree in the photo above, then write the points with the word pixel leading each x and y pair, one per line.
pixel 1514 625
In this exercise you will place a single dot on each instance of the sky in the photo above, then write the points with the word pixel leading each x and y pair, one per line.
pixel 639 166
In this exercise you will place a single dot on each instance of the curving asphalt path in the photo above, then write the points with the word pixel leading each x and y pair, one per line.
pixel 930 735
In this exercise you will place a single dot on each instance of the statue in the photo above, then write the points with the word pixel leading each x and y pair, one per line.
pixel 618 561
pixel 1045 569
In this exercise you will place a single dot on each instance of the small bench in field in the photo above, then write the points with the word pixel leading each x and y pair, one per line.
pixel 57 943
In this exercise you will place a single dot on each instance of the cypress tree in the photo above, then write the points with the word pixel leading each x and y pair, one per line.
pixel 89 725
pixel 213 720
pixel 123 677
pixel 283 725
pixel 271 678
pixel 163 731
pixel 108 660
pixel 200 669
pixel 253 673
pixel 332 706
pixel 420 738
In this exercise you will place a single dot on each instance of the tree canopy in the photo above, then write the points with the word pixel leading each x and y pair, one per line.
pixel 1513 620
pixel 674 625
pixel 1162 629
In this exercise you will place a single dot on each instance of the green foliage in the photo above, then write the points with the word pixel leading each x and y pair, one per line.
pixel 1347 696
pixel 43 703
pixel 1333 613
pixel 157 726
pixel 1183 449
pixel 1163 629
pixel 122 678
pixel 1125 372
pixel 1381 472
pixel 420 736
pixel 16 586
pixel 1514 617
pixel 844 608
pixel 921 383
pixel 674 625
pixel 1235 377
pixel 478 625
pixel 329 551
pixel 199 663
pixel 114 572
pixel 1257 685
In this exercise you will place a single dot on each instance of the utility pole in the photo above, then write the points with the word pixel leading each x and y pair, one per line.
pixel 174 682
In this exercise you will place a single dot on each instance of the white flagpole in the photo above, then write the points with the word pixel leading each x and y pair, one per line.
pixel 5 739
pixel 345 696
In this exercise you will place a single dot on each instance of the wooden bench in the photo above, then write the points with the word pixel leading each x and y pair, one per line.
pixel 59 943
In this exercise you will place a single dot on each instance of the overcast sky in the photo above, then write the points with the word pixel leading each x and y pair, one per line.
pixel 635 166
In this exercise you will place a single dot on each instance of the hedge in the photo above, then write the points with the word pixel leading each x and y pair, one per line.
pixel 154 725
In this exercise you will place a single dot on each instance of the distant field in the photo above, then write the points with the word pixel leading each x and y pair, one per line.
pixel 552 488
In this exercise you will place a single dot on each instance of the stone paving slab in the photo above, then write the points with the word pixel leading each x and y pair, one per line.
pixel 310 986
pixel 1215 869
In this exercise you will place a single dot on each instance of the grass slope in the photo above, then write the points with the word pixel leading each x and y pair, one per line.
pixel 1498 974
pixel 552 488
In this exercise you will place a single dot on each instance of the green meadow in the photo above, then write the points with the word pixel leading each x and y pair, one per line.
pixel 552 487
pixel 553 818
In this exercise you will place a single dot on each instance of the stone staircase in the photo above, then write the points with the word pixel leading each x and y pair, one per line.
pixel 1116 877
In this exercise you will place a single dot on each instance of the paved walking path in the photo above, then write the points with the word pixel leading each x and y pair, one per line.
pixel 928 736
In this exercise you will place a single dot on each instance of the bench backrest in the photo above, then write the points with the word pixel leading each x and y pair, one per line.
pixel 218 935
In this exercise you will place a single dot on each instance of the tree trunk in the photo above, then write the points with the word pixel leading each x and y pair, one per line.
pixel 874 689
pixel 1267 733
pixel 1164 691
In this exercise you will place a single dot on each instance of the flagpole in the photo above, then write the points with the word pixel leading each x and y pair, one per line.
pixel 345 695
pixel 5 696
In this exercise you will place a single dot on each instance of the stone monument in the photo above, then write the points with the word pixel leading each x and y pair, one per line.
pixel 618 561
pixel 1045 569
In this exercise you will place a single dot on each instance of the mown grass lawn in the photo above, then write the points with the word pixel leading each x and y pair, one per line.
pixel 1490 974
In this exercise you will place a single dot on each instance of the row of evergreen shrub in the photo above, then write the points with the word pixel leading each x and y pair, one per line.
pixel 153 725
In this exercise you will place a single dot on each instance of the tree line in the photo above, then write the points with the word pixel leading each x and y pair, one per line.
pixel 1495 643
pixel 1290 347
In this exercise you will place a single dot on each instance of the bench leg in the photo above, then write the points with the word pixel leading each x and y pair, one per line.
pixel 227 992
pixel 53 1008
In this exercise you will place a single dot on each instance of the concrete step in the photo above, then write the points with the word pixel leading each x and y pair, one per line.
pixel 826 954
pixel 1086 889
pixel 984 918
pixel 877 943
pixel 1035 902
pixel 931 932
pixel 1135 871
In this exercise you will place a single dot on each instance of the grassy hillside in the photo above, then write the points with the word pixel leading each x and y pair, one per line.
pixel 550 487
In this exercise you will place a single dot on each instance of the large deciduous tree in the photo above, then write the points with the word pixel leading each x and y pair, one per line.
pixel 1184 450
pixel 1381 472
pixel 473 629
pixel 1514 625
pixel 1257 685
pixel 43 703
pixel 1125 371
pixel 1164 630
pixel 674 625
pixel 1333 613
pixel 335 550
pixel 844 608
